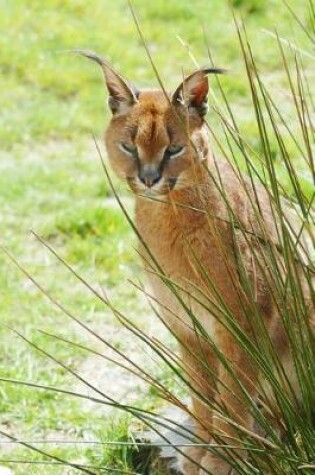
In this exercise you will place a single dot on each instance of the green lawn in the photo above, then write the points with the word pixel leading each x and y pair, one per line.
pixel 49 94
pixel 51 181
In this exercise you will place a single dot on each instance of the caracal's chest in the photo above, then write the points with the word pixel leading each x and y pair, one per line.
pixel 179 242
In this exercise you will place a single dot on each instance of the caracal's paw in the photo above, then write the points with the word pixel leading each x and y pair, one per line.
pixel 214 465
pixel 190 462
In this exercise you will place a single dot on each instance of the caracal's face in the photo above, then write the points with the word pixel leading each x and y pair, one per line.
pixel 153 139
pixel 150 146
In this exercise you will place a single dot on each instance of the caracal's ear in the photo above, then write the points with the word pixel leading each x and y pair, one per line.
pixel 193 91
pixel 121 94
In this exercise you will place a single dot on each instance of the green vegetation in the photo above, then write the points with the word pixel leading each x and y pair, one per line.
pixel 49 94
pixel 51 181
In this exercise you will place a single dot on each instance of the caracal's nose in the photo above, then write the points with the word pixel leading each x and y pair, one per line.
pixel 149 175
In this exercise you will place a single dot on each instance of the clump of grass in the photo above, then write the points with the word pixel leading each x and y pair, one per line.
pixel 250 6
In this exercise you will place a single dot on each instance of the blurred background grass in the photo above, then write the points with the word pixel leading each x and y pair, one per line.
pixel 51 180
pixel 49 94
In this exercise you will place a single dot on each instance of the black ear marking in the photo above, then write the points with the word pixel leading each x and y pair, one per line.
pixel 193 91
pixel 122 95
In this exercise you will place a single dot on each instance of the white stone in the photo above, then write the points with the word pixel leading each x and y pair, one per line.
pixel 5 471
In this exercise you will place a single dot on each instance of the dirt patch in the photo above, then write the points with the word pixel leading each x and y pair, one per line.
pixel 110 374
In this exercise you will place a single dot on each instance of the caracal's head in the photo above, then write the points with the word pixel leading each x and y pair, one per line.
pixel 154 140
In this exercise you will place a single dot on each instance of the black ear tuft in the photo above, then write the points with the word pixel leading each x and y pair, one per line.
pixel 193 91
pixel 122 95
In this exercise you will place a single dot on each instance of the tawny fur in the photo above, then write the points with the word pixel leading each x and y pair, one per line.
pixel 187 223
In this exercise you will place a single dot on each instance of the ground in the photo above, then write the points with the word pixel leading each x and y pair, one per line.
pixel 88 230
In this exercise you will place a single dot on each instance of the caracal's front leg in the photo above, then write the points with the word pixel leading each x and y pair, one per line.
pixel 236 405
pixel 199 363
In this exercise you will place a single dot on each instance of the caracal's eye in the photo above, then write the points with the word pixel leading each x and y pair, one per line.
pixel 174 151
pixel 128 148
